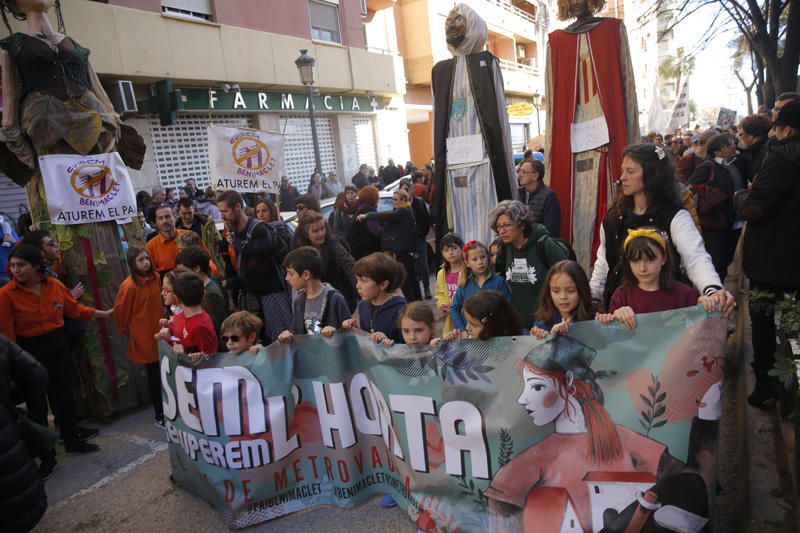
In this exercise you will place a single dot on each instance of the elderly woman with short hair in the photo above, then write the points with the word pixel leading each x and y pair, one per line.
pixel 526 254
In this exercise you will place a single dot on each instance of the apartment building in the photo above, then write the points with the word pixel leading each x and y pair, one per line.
pixel 233 62
pixel 643 42
pixel 414 30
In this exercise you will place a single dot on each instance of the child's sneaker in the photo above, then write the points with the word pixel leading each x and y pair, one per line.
pixel 388 502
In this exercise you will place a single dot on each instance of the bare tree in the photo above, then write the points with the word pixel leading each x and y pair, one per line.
pixel 771 31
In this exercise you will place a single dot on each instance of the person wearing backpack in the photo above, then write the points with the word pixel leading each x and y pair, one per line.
pixel 526 254
pixel 713 186
pixel 259 280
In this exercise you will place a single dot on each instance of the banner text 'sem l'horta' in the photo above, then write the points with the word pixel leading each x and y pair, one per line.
pixel 605 428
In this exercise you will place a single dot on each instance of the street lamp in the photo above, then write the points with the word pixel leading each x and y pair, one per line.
pixel 536 97
pixel 305 67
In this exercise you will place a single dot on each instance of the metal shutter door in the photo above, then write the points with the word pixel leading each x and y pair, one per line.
pixel 181 151
pixel 365 141
pixel 13 201
pixel 519 135
pixel 299 148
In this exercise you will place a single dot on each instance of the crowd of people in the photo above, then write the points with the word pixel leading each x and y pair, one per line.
pixel 666 242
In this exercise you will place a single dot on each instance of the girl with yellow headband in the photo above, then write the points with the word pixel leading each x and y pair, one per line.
pixel 648 282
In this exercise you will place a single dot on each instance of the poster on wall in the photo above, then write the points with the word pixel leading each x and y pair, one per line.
pixel 245 160
pixel 82 189
pixel 604 429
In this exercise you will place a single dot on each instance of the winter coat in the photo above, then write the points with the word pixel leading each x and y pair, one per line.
pixel 22 497
pixel 717 214
pixel 342 216
pixel 364 237
pixel 493 283
pixel 771 255
pixel 337 268
pixel 525 269
pixel 334 310
pixel 422 218
pixel 331 189
pixel 399 231
pixel 442 297
pixel 384 318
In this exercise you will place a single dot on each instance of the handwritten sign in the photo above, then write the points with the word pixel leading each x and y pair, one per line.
pixel 465 149
pixel 589 135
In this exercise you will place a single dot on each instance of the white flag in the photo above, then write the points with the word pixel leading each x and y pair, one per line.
pixel 655 116
pixel 245 160
pixel 87 188
pixel 680 112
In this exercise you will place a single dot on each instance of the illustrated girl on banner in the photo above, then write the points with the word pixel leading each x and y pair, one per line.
pixel 555 483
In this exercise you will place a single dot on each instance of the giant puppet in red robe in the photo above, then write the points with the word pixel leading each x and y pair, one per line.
pixel 591 116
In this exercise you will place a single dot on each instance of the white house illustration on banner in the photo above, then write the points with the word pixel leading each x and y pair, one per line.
pixel 551 510
pixel 614 490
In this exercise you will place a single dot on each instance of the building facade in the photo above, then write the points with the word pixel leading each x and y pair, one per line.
pixel 414 30
pixel 233 63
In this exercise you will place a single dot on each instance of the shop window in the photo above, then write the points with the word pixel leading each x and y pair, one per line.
pixel 324 21
pixel 192 9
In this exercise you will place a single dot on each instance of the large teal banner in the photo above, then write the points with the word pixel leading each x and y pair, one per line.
pixel 607 429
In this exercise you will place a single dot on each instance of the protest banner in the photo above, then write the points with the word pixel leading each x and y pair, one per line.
pixel 680 111
pixel 604 428
pixel 82 189
pixel 245 160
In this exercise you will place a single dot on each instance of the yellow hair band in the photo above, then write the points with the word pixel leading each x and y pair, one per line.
pixel 648 233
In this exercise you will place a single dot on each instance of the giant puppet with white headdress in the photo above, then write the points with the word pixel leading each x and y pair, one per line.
pixel 472 147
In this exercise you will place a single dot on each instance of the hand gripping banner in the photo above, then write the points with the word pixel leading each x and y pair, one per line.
pixel 607 429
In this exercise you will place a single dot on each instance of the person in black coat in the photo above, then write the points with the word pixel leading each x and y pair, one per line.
pixel 365 237
pixel 399 239
pixel 770 253
pixel 753 135
pixel 714 186
pixel 22 497
pixel 422 219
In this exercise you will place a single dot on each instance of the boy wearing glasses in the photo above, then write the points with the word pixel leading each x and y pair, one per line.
pixel 240 332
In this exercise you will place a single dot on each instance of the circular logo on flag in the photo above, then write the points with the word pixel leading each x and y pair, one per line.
pixel 92 180
pixel 250 153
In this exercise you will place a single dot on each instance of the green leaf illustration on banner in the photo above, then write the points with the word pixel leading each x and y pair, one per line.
pixel 461 436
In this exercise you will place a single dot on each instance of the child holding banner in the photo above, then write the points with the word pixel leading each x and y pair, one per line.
pixel 378 312
pixel 648 283
pixel 318 309
pixel 566 298
pixel 191 332
pixel 477 276
pixel 488 314
pixel 240 332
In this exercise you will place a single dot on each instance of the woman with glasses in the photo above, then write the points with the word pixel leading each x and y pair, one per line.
pixel 525 255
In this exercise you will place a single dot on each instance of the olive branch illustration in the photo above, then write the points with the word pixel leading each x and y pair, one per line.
pixel 506 448
pixel 651 416
pixel 469 489
pixel 446 363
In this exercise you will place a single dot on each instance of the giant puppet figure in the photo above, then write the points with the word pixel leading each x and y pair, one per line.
pixel 591 116
pixel 472 147
pixel 53 103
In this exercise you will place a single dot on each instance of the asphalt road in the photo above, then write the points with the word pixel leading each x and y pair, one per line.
pixel 126 487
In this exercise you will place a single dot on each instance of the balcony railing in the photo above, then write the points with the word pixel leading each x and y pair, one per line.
pixel 518 67
pixel 513 10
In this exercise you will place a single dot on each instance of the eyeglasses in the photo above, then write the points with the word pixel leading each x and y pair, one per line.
pixel 500 227
pixel 232 338
pixel 520 171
